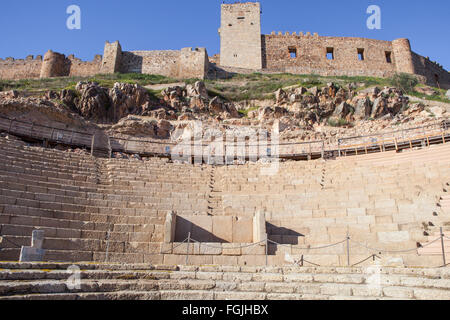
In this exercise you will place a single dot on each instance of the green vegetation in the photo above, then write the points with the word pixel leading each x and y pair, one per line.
pixel 246 111
pixel 405 82
pixel 238 87
pixel 338 123
pixel 106 80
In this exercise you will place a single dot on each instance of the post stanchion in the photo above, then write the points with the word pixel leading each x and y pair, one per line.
pixel 92 144
pixel 348 249
pixel 187 249
pixel 267 249
pixel 443 248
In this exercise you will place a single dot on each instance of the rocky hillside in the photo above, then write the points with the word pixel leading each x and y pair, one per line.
pixel 306 109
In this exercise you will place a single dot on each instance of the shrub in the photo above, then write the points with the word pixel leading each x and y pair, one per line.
pixel 405 82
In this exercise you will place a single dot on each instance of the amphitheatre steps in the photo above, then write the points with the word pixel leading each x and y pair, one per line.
pixel 115 282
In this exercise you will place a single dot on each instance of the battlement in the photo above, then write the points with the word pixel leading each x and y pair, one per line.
pixel 293 34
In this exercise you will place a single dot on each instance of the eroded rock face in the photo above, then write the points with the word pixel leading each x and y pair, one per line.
pixel 127 99
pixel 94 101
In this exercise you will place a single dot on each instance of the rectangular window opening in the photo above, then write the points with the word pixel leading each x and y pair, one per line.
pixel 241 18
pixel 388 57
pixel 361 54
pixel 330 53
pixel 293 53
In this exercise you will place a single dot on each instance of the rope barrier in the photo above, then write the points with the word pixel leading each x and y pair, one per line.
pixel 311 248
pixel 395 251
pixel 235 247
pixel 372 256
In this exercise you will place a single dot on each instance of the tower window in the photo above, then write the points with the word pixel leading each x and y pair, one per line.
pixel 241 18
pixel 293 52
pixel 361 54
pixel 388 57
pixel 330 53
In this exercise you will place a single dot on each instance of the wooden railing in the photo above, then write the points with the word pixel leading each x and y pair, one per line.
pixel 98 141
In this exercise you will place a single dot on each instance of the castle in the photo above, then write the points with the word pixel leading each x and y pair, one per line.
pixel 242 46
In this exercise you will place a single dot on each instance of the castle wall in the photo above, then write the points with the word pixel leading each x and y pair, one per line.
pixel 435 75
pixel 311 55
pixel 240 36
pixel 185 63
pixel 79 68
pixel 12 69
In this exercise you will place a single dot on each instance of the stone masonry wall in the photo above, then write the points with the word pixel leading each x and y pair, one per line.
pixel 79 68
pixel 434 73
pixel 12 69
pixel 185 63
pixel 308 54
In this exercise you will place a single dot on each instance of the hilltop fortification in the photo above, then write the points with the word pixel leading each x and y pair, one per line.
pixel 243 47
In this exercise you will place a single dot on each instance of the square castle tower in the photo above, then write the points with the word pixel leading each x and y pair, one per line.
pixel 240 36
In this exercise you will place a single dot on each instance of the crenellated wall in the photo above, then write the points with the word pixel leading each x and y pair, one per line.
pixel 14 69
pixel 307 53
pixel 435 74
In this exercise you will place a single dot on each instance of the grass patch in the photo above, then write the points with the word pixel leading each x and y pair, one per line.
pixel 105 80
pixel 245 112
pixel 338 123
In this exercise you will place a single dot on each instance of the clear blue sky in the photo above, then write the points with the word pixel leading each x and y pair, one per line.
pixel 33 27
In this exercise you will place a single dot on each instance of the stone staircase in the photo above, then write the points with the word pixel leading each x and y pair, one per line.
pixel 49 281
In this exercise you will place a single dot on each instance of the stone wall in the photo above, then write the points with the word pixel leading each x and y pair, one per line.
pixel 182 64
pixel 434 73
pixel 12 69
pixel 306 53
pixel 79 68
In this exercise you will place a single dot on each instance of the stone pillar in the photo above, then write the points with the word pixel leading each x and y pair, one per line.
pixel 259 227
pixel 403 56
pixel 35 253
pixel 170 227
pixel 112 58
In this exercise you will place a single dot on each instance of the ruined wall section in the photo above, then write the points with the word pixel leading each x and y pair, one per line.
pixel 79 68
pixel 14 69
pixel 112 56
pixel 307 54
pixel 434 73
pixel 240 36
pixel 194 63
pixel 185 63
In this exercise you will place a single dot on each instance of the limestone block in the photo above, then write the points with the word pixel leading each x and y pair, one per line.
pixel 223 228
pixel 242 230
pixel 393 236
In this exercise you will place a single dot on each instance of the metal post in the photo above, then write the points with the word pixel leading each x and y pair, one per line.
pixel 348 249
pixel 187 248
pixel 443 248
pixel 267 249
pixel 339 147
pixel 323 149
pixel 301 261
pixel 10 125
pixel 108 235
pixel 92 144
